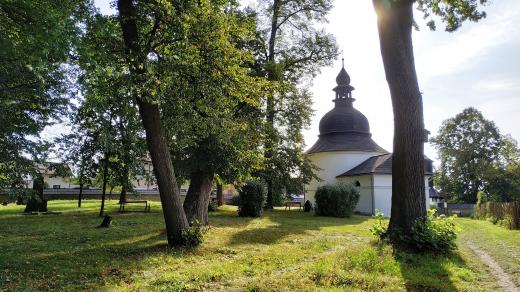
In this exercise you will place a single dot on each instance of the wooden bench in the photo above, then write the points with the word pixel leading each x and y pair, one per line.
pixel 293 203
pixel 147 206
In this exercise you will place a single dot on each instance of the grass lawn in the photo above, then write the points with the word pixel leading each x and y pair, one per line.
pixel 281 251
pixel 501 244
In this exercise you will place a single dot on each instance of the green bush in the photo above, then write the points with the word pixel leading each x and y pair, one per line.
pixel 235 201
pixel 193 235
pixel 430 233
pixel 252 197
pixel 307 207
pixel 213 206
pixel 279 199
pixel 338 200
pixel 507 222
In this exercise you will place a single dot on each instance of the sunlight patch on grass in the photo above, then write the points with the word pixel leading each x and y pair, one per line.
pixel 288 250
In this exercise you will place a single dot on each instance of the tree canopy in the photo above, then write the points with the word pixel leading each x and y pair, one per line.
pixel 474 157
pixel 37 39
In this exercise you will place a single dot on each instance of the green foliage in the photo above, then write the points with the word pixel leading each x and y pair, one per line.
pixel 252 198
pixel 290 48
pixel 22 196
pixel 279 199
pixel 475 157
pixel 213 206
pixel 379 229
pixel 210 100
pixel 36 39
pixel 193 235
pixel 235 201
pixel 338 200
pixel 451 12
pixel 307 207
pixel 429 234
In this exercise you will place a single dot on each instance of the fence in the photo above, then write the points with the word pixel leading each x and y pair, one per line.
pixel 501 211
pixel 462 210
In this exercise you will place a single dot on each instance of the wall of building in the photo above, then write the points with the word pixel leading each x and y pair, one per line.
pixel 383 193
pixel 333 164
pixel 366 202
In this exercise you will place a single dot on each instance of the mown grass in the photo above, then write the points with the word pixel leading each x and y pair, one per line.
pixel 501 244
pixel 281 251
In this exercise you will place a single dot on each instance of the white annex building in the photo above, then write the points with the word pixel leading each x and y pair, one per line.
pixel 345 152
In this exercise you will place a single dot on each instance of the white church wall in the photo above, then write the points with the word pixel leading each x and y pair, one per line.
pixel 333 164
pixel 365 204
pixel 383 193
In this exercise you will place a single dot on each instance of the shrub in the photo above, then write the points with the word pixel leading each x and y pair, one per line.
pixel 252 197
pixel 380 227
pixel 279 199
pixel 213 206
pixel 23 196
pixel 430 233
pixel 338 200
pixel 235 201
pixel 193 235
pixel 307 207
pixel 507 222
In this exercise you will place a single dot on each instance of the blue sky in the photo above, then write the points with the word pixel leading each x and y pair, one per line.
pixel 478 66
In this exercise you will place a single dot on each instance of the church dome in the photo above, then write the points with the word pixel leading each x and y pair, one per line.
pixel 344 128
pixel 344 118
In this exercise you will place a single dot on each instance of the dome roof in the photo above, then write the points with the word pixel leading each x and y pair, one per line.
pixel 344 128
pixel 344 118
pixel 343 78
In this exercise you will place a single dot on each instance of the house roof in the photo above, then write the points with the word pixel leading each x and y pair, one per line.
pixel 433 193
pixel 381 164
pixel 345 142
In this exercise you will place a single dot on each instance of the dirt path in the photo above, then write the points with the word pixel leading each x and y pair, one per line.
pixel 503 279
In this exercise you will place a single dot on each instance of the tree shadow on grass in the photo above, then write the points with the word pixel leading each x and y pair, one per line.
pixel 277 225
pixel 431 271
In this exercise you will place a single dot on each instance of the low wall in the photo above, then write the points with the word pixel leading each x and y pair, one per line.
pixel 95 194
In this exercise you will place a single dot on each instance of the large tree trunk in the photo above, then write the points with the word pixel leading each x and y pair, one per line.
pixel 220 195
pixel 174 216
pixel 197 199
pixel 104 190
pixel 173 212
pixel 270 106
pixel 395 21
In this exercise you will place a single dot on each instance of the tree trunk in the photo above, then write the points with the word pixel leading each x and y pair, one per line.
pixel 80 196
pixel 104 191
pixel 174 216
pixel 197 199
pixel 270 106
pixel 122 196
pixel 220 195
pixel 395 21
pixel 126 162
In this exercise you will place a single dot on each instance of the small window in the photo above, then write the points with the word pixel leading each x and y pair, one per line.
pixel 357 184
pixel 56 186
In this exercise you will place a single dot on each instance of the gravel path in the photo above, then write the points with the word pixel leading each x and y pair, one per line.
pixel 503 279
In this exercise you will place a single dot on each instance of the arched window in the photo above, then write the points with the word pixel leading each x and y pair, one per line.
pixel 357 184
